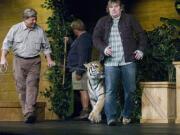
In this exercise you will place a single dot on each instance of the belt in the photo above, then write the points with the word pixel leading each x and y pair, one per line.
pixel 27 57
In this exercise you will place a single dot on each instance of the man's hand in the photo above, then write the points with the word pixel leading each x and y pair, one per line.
pixel 78 77
pixel 108 51
pixel 66 39
pixel 3 65
pixel 51 63
pixel 138 55
pixel 4 62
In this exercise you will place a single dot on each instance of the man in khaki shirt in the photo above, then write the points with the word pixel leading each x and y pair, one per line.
pixel 27 40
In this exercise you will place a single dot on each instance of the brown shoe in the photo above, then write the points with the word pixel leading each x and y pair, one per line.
pixel 29 118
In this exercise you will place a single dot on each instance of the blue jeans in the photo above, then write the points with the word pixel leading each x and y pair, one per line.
pixel 113 76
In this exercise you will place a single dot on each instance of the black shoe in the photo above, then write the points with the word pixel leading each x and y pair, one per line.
pixel 111 122
pixel 83 115
pixel 30 118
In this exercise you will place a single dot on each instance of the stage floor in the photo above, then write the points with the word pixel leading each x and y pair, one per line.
pixel 86 128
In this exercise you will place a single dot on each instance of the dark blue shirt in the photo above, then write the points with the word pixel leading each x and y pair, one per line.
pixel 80 53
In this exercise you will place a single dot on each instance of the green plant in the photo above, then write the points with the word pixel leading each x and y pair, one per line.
pixel 157 62
pixel 173 22
pixel 59 94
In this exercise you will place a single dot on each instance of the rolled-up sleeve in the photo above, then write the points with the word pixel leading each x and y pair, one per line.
pixel 8 41
pixel 46 48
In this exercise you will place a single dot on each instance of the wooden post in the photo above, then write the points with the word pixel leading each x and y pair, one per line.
pixel 177 66
pixel 64 65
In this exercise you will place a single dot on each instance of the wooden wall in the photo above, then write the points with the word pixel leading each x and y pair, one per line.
pixel 11 13
pixel 148 12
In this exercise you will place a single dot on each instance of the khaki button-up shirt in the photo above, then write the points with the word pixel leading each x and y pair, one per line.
pixel 26 42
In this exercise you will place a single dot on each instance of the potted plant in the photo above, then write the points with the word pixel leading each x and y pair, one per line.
pixel 158 75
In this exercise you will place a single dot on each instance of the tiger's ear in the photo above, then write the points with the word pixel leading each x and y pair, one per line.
pixel 86 65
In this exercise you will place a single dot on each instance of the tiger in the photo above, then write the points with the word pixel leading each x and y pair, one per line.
pixel 96 90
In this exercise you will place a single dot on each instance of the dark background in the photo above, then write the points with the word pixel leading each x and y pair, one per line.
pixel 89 11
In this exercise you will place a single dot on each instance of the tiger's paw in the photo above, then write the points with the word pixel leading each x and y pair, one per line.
pixel 95 117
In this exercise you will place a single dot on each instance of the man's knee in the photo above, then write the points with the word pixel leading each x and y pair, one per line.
pixel 20 86
pixel 33 82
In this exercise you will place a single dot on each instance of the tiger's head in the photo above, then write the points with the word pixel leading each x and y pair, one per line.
pixel 94 70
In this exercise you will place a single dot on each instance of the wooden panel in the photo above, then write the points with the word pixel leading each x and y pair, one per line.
pixel 158 102
pixel 148 12
pixel 11 111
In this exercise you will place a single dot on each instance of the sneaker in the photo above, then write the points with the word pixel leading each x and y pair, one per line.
pixel 126 121
pixel 83 115
pixel 29 118
pixel 111 122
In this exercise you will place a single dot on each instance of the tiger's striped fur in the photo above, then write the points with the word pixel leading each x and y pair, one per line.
pixel 95 90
